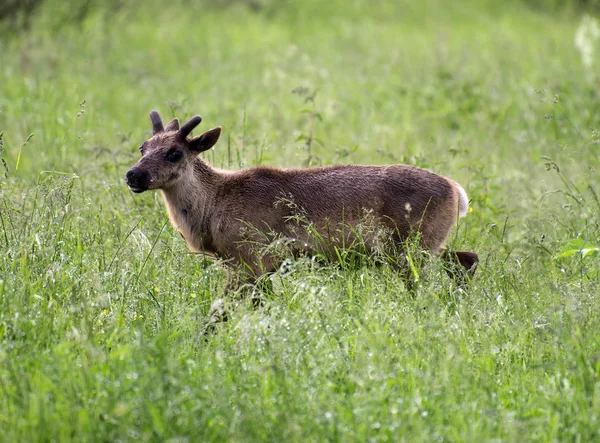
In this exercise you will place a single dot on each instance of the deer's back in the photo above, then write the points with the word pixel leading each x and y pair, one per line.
pixel 333 192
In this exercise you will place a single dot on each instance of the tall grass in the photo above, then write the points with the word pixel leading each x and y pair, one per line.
pixel 101 304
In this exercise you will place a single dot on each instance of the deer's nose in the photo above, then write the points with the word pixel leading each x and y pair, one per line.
pixel 131 175
pixel 137 179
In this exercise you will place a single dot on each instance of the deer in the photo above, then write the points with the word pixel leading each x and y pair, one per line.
pixel 227 213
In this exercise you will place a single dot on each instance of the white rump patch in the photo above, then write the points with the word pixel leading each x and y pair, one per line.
pixel 463 201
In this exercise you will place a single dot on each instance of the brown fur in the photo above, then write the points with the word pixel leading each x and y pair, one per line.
pixel 229 213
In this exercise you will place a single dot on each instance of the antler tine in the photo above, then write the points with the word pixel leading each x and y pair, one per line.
pixel 157 125
pixel 189 126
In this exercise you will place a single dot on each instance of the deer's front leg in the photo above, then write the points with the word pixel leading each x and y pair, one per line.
pixel 247 275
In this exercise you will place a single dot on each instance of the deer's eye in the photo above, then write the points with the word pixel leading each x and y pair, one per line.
pixel 141 148
pixel 173 155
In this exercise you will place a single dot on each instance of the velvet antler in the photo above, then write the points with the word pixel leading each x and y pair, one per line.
pixel 189 126
pixel 157 125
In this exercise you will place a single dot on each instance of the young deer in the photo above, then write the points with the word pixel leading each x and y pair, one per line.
pixel 228 213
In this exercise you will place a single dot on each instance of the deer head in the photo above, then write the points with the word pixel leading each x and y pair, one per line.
pixel 169 154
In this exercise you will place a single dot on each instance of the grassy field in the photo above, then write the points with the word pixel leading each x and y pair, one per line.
pixel 101 304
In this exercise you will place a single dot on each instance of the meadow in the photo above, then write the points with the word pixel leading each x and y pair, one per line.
pixel 101 303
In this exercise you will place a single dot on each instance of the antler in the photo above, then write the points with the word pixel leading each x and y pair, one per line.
pixel 189 126
pixel 157 125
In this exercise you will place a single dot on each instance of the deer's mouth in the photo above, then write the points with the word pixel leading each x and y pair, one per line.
pixel 137 189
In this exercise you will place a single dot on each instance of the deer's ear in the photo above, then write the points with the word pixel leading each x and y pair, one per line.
pixel 172 126
pixel 205 141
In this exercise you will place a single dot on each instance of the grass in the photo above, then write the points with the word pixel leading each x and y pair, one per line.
pixel 100 302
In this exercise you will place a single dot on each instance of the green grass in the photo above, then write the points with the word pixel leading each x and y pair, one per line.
pixel 101 304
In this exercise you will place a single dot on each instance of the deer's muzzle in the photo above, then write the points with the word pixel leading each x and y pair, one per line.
pixel 137 179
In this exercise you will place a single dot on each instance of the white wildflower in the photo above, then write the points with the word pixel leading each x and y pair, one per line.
pixel 586 39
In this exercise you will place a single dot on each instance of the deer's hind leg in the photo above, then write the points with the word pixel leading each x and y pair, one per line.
pixel 436 228
pixel 460 265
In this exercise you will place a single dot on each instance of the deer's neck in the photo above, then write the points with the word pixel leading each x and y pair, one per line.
pixel 191 203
